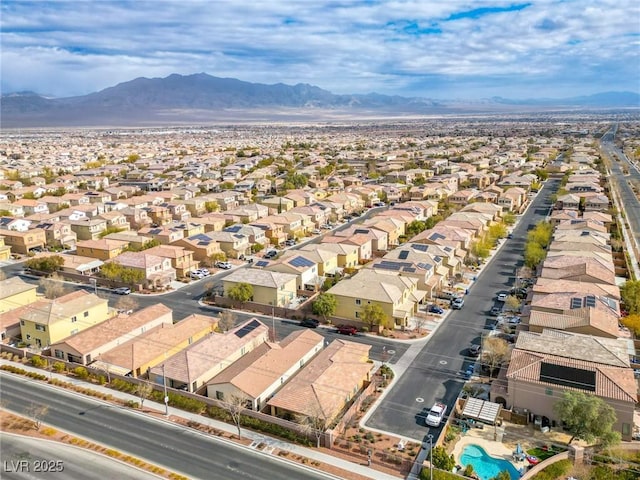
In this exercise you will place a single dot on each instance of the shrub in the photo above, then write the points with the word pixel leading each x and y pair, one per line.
pixel 555 470
pixel 59 367
pixel 81 372
pixel 38 362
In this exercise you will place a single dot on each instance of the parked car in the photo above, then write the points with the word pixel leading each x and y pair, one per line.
pixel 309 323
pixel 204 271
pixel 435 309
pixel 290 243
pixel 436 414
pixel 474 350
pixel 457 303
pixel 495 311
pixel 122 291
pixel 379 204
pixel 510 236
pixel 317 232
pixel 347 330
pixel 224 265
pixel 271 254
pixel 196 275
pixel 502 296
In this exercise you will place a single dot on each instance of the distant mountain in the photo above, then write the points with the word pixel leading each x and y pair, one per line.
pixel 604 99
pixel 202 98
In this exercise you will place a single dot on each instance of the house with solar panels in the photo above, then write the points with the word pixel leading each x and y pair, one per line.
pixel 545 365
pixel 305 269
pixel 192 367
pixel 202 246
pixel 233 244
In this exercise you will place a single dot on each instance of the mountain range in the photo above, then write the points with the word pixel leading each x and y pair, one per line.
pixel 202 98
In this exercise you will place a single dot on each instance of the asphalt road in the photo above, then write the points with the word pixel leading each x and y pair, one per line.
pixel 627 197
pixel 436 374
pixel 29 458
pixel 175 448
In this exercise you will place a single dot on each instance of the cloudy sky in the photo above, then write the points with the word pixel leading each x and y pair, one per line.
pixel 428 48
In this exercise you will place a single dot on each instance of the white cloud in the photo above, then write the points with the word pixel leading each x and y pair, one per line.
pixel 69 48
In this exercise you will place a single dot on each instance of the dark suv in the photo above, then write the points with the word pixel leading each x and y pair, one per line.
pixel 347 329
pixel 309 322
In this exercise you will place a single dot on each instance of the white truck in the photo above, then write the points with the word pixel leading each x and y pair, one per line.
pixel 436 414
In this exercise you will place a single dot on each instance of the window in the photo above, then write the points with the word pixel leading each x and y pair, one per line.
pixel 74 319
pixel 219 395
pixel 28 337
pixel 358 301
pixel 22 323
pixel 357 314
pixel 59 354
pixel 40 328
pixel 86 314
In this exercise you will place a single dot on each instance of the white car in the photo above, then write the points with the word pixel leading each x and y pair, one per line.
pixel 224 265
pixel 501 297
pixel 196 275
pixel 436 414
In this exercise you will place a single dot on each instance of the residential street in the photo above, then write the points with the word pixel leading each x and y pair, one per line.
pixel 176 448
pixel 436 372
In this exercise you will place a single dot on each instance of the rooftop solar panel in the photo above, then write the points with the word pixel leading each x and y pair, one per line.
pixel 248 328
pixel 301 262
pixel 420 247
pixel 233 228
pixel 403 254
pixel 261 263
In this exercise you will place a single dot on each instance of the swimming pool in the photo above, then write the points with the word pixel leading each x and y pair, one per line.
pixel 484 465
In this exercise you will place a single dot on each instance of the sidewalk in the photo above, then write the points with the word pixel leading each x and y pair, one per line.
pixel 310 453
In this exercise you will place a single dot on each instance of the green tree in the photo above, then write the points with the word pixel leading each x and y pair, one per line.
pixel 325 305
pixel 111 229
pixel 415 227
pixel 509 218
pixel 373 314
pixel 241 292
pixel 49 264
pixel 630 292
pixel 498 230
pixel 480 249
pixel 533 254
pixel 211 206
pixel 587 417
pixel 441 460
pixel 541 173
pixel 512 302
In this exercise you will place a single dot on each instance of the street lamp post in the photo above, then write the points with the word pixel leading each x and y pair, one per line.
pixel 166 397
pixel 430 437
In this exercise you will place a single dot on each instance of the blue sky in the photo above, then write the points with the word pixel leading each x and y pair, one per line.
pixel 445 49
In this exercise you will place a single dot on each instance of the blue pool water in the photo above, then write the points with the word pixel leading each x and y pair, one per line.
pixel 484 465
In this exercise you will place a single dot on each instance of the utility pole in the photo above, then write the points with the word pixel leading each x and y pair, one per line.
pixel 273 322
pixel 166 397
pixel 430 437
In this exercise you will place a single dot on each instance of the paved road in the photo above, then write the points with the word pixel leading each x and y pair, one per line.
pixel 170 446
pixel 436 372
pixel 33 458
pixel 627 197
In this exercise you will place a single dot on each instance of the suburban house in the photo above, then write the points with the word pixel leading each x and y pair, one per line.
pixel 582 269
pixel 545 365
pixel 137 355
pixel 58 234
pixel 181 259
pixel 158 272
pixel 87 346
pixel 259 374
pixel 269 288
pixel 103 249
pixel 202 246
pixel 88 229
pixel 294 263
pixel 48 321
pixel 25 242
pixel 397 295
pixel 347 254
pixel 5 250
pixel 192 367
pixel 323 388
pixel 234 245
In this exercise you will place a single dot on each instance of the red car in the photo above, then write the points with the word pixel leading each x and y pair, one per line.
pixel 347 329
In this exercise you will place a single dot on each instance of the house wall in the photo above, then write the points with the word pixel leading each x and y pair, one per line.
pixel 348 308
pixel 540 399
pixel 18 300
pixel 63 327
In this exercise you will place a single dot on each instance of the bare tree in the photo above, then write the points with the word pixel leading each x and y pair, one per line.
pixel 36 412
pixel 144 390
pixel 494 352
pixel 226 320
pixel 52 286
pixel 126 303
pixel 313 423
pixel 419 322
pixel 235 405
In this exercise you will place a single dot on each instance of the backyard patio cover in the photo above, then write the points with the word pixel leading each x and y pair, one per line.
pixel 482 410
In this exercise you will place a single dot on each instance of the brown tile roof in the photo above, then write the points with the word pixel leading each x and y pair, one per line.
pixel 116 327
pixel 152 344
pixel 553 285
pixel 262 367
pixel 47 311
pixel 325 384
